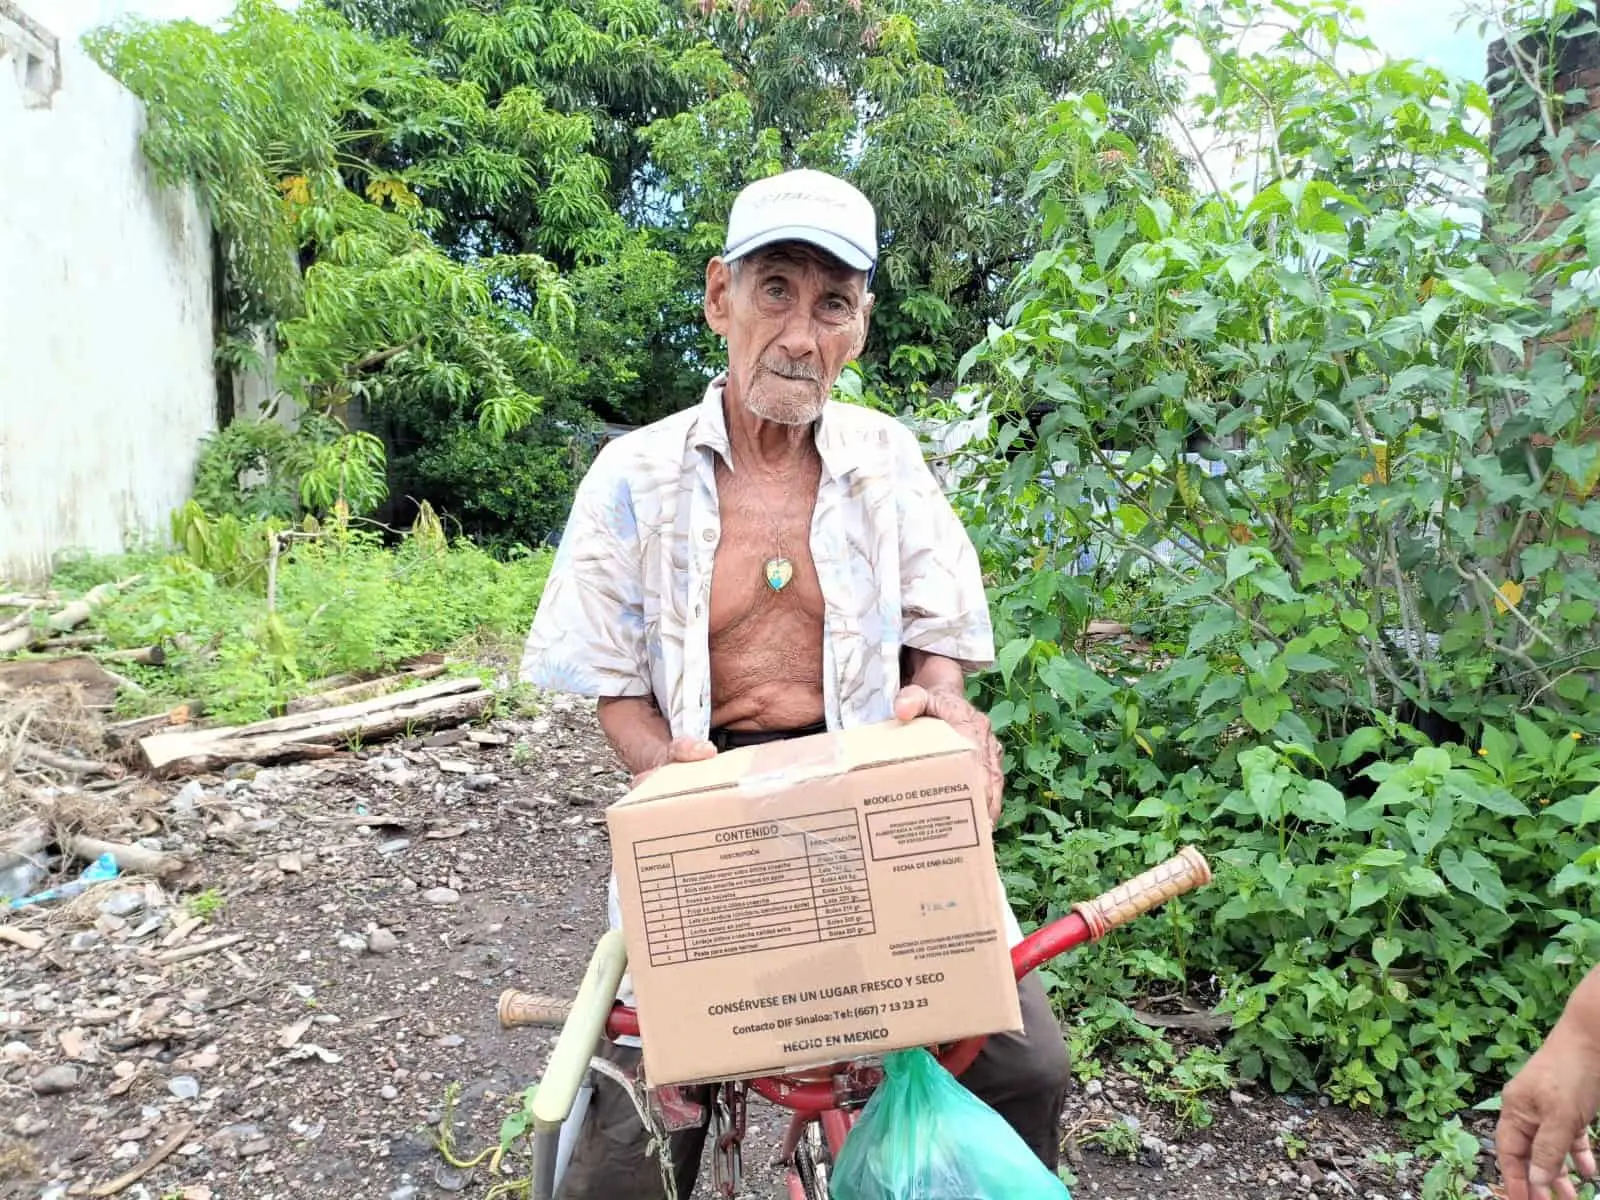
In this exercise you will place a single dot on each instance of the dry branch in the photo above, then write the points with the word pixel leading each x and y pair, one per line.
pixel 365 690
pixel 40 757
pixel 157 1156
pixel 200 948
pixel 150 656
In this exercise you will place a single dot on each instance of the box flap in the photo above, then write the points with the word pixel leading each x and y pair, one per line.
pixel 793 759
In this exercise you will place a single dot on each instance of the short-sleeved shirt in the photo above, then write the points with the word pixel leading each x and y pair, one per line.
pixel 626 609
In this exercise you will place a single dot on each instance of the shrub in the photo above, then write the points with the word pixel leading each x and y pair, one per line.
pixel 1335 445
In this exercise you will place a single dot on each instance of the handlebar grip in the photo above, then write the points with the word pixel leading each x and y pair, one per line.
pixel 1181 873
pixel 523 1008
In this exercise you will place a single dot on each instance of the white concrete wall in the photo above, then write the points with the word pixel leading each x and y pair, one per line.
pixel 106 376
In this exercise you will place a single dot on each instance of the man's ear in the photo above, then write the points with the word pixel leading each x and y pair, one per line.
pixel 719 285
pixel 865 323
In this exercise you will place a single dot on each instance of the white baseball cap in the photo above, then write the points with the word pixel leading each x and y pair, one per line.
pixel 804 206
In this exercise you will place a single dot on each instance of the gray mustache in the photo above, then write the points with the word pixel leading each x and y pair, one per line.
pixel 793 370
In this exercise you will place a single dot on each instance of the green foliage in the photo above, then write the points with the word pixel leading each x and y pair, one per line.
pixel 283 122
pixel 245 640
pixel 416 202
pixel 1337 439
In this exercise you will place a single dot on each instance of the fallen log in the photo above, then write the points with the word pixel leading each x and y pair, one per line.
pixel 81 609
pixel 17 622
pixel 314 734
pixel 365 690
pixel 65 619
pixel 73 641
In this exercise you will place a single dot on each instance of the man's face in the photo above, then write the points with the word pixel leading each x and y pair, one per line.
pixel 793 316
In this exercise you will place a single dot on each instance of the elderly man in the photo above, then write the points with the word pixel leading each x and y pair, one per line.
pixel 770 564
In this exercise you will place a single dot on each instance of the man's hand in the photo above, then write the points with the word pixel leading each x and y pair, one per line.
pixel 1544 1116
pixel 678 750
pixel 949 705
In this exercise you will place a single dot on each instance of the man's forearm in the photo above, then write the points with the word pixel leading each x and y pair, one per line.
pixel 934 672
pixel 638 733
pixel 1581 1017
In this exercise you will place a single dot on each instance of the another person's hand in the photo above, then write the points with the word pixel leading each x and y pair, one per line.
pixel 678 750
pixel 1545 1113
pixel 953 708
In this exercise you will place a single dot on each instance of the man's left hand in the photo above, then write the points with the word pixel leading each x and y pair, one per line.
pixel 953 708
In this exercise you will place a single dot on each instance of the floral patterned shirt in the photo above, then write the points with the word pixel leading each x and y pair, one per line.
pixel 627 606
pixel 626 609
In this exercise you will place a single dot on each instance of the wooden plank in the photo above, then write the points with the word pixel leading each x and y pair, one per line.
pixel 263 743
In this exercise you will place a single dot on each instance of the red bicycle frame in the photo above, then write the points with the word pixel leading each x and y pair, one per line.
pixel 829 1096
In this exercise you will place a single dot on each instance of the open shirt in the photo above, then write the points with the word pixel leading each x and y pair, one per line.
pixel 626 609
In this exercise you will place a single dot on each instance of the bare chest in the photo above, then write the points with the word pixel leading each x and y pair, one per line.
pixel 763 568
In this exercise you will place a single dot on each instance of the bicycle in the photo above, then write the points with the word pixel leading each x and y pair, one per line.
pixel 823 1100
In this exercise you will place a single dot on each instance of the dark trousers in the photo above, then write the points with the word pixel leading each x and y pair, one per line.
pixel 1022 1076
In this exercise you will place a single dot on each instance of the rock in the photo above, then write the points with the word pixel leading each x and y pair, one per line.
pixel 352 941
pixel 290 863
pixel 1152 1150
pixel 55 1081
pixel 1238 1099
pixel 122 904
pixel 381 941
pixel 441 895
pixel 480 783
pixel 184 1087
pixel 16 1053
pixel 406 1191
pixel 187 798
pixel 393 846
pixel 1093 1088
pixel 28 1127
pixel 86 940
pixel 258 1145
pixel 44 1003
pixel 389 1092
pixel 451 1041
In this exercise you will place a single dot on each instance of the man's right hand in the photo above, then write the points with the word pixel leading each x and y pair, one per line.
pixel 677 750
pixel 1545 1113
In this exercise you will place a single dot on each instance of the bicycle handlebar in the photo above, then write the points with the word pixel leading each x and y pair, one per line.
pixel 1088 921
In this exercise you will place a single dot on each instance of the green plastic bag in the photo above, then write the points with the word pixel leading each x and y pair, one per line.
pixel 923 1136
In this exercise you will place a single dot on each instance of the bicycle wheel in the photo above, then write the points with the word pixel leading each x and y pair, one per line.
pixel 811 1163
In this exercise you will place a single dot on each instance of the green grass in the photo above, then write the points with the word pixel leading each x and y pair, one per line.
pixel 344 602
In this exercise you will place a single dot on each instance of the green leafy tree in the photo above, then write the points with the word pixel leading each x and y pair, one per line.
pixel 934 109
pixel 1329 448
pixel 282 122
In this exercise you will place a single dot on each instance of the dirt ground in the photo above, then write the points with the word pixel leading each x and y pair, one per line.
pixel 380 902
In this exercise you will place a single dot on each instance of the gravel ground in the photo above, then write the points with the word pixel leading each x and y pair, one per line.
pixel 380 902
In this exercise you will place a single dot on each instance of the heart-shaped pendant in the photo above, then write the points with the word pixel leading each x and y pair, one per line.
pixel 779 572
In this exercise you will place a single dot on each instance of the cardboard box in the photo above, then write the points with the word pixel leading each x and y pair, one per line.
pixel 810 901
